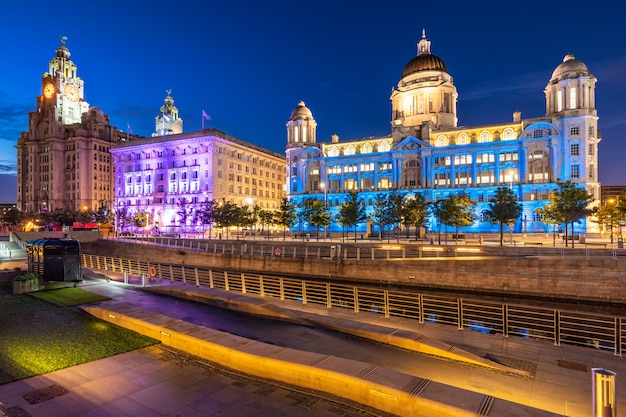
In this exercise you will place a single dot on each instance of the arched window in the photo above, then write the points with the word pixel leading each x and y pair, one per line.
pixel 384 147
pixel 367 148
pixel 485 137
pixel 508 134
pixel 442 140
pixel 334 151
pixel 462 139
pixel 349 150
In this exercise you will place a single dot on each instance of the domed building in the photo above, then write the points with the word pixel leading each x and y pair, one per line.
pixel 427 152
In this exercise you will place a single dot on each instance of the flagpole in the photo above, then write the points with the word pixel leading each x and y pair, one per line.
pixel 202 117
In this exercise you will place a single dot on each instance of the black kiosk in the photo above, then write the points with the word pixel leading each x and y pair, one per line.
pixel 55 259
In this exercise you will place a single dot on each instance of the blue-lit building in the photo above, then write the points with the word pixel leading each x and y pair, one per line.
pixel 427 152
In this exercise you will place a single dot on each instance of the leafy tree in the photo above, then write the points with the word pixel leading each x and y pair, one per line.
pixel 571 204
pixel 549 215
pixel 104 214
pixel 184 211
pixel 414 212
pixel 503 209
pixel 286 215
pixel 456 210
pixel 610 217
pixel 123 218
pixel 12 216
pixel 266 218
pixel 315 212
pixel 351 212
pixel 205 214
pixel 387 211
pixel 140 219
pixel 225 215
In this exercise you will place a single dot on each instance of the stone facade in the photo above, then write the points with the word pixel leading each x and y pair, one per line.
pixel 428 153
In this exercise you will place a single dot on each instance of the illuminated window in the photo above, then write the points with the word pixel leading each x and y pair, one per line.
pixel 462 139
pixel 572 98
pixel 334 151
pixel 574 130
pixel 485 137
pixel 575 171
pixel 384 147
pixel 508 134
pixel 442 141
pixel 367 148
pixel 559 100
pixel 349 150
pixel 574 149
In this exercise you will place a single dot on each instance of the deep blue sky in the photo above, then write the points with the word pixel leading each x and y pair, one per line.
pixel 248 63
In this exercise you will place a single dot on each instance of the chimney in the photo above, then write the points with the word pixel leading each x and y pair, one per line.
pixel 517 116
pixel 334 138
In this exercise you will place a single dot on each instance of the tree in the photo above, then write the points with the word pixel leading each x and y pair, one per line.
pixel 387 211
pixel 414 212
pixel 123 219
pixel 12 216
pixel 351 212
pixel 456 210
pixel 571 204
pixel 503 209
pixel 549 215
pixel 225 215
pixel 206 214
pixel 140 219
pixel 104 214
pixel 286 215
pixel 266 218
pixel 610 217
pixel 184 211
pixel 316 213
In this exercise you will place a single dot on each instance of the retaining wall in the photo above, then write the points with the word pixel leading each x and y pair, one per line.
pixel 561 278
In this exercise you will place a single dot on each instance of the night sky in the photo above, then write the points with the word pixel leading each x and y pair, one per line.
pixel 249 63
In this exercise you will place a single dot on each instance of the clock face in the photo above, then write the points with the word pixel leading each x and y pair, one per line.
pixel 48 90
pixel 71 93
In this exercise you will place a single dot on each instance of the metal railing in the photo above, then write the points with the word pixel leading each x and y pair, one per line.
pixel 376 251
pixel 598 331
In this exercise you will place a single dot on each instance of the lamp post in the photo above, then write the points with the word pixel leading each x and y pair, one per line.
pixel 323 187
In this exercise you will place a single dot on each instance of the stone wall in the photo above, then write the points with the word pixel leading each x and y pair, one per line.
pixel 560 278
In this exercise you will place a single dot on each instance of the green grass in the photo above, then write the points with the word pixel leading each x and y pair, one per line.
pixel 37 337
pixel 68 297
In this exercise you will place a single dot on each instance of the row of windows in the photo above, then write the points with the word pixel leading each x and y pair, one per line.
pixel 364 149
pixel 464 138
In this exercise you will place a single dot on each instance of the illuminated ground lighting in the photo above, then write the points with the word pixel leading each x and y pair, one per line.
pixel 391 247
pixel 468 250
pixel 435 249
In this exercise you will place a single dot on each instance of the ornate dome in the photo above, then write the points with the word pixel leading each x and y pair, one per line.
pixel 424 62
pixel 301 112
pixel 570 68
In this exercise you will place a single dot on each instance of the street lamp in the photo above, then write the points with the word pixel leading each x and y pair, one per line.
pixel 323 187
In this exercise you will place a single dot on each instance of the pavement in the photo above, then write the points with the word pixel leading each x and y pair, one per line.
pixel 159 381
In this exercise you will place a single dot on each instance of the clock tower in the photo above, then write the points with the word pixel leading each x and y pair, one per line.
pixel 63 160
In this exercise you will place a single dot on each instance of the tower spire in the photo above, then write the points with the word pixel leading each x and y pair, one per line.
pixel 423 46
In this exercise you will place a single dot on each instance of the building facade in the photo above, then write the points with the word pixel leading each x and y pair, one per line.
pixel 154 175
pixel 63 160
pixel 426 152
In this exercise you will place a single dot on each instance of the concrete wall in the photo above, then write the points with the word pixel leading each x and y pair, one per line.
pixel 579 279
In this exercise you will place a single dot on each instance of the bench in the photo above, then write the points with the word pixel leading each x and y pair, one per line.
pixel 533 243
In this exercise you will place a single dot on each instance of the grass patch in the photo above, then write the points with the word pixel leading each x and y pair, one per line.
pixel 39 337
pixel 68 297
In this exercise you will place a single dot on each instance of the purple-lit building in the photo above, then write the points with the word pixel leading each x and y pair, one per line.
pixel 153 175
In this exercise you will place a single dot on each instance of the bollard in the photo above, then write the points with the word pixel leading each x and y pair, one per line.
pixel 603 393
pixel 125 277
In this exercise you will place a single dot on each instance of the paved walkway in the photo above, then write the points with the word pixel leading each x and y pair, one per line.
pixel 156 382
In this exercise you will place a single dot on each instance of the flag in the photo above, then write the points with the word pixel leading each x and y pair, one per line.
pixel 128 128
pixel 205 115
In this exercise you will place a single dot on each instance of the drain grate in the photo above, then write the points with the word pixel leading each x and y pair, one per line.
pixel 44 394
pixel 522 365
pixel 572 365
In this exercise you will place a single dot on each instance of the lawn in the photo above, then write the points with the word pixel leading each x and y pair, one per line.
pixel 37 336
